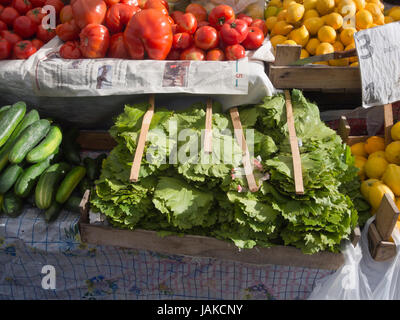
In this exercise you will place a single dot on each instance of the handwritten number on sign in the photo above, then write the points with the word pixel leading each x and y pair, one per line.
pixel 366 47
pixel 370 93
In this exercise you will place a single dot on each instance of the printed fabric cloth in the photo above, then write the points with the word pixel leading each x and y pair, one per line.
pixel 28 245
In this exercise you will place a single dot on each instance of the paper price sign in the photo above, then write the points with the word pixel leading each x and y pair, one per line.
pixel 378 51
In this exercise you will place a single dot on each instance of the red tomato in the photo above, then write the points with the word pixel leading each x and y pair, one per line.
pixel 5 2
pixel 8 15
pixel 171 21
pixel 89 12
pixel 45 34
pixel 5 49
pixel 206 38
pixel 198 11
pixel 234 32
pixel 11 37
pixel 219 15
pixel 119 15
pixel 134 3
pixel 37 3
pixel 176 14
pixel 37 43
pixel 36 15
pixel 157 4
pixel 193 53
pixel 182 40
pixel 234 52
pixel 215 55
pixel 95 41
pixel 24 27
pixel 3 26
pixel 70 50
pixel 174 54
pixel 117 47
pixel 68 31
pixel 57 4
pixel 111 2
pixel 23 49
pixel 258 23
pixel 254 39
pixel 202 24
pixel 245 17
pixel 174 28
pixel 1 8
pixel 66 14
pixel 22 6
pixel 186 23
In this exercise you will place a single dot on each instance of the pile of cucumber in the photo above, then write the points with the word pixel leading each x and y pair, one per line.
pixel 41 165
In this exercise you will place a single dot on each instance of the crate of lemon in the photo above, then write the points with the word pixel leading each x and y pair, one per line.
pixel 320 27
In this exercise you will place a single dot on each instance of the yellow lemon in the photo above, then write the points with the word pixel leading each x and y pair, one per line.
pixel 395 14
pixel 281 28
pixel 270 22
pixel 286 3
pixel 379 154
pixel 358 149
pixel 290 42
pixel 338 46
pixel 389 19
pixel 310 14
pixel 325 6
pixel 304 54
pixel 354 64
pixel 391 177
pixel 376 193
pixel 282 15
pixel 335 20
pixel 278 39
pixel 374 144
pixel 344 62
pixel 312 45
pixel 392 152
pixel 379 19
pixel 327 34
pixel 375 167
pixel 270 11
pixel 300 36
pixel 360 4
pixel 375 11
pixel 347 8
pixel 360 162
pixel 295 12
pixel 377 2
pixel 366 186
pixel 347 36
pixel 275 3
pixel 313 25
pixel 310 4
pixel 349 47
pixel 364 19
pixel 325 63
pixel 395 131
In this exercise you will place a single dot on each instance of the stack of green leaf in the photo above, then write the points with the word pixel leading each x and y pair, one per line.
pixel 194 193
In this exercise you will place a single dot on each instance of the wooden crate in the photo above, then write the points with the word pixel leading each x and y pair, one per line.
pixel 311 77
pixel 197 246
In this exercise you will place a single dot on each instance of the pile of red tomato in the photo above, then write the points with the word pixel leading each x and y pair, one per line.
pixel 21 30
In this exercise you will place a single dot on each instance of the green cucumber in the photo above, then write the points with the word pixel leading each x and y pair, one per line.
pixel 91 168
pixel 10 120
pixel 29 177
pixel 28 140
pixel 73 204
pixel 47 147
pixel 12 205
pixel 3 110
pixel 69 183
pixel 53 211
pixel 9 177
pixel 30 118
pixel 47 185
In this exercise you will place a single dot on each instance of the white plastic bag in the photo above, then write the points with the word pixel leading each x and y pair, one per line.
pixel 361 277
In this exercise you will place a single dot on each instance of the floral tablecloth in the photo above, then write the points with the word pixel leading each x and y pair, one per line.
pixel 83 271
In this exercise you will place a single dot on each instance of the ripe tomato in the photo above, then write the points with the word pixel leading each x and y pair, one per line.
pixel 234 32
pixel 8 15
pixel 70 50
pixel 234 52
pixel 186 23
pixel 118 16
pixel 198 11
pixel 95 41
pixel 22 6
pixel 174 54
pixel 254 39
pixel 36 15
pixel 174 28
pixel 23 49
pixel 24 27
pixel 134 3
pixel 37 43
pixel 215 55
pixel 171 21
pixel 202 24
pixel 3 26
pixel 89 12
pixel 182 40
pixel 176 14
pixel 157 4
pixel 5 2
pixel 37 3
pixel 193 53
pixel 219 15
pixel 5 49
pixel 68 31
pixel 258 23
pixel 57 4
pixel 111 2
pixel 117 47
pixel 66 14
pixel 206 38
pixel 11 37
pixel 245 17
pixel 45 34
pixel 1 8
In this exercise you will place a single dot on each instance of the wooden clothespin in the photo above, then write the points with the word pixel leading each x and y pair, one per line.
pixel 208 132
pixel 240 138
pixel 142 141
pixel 294 145
pixel 388 122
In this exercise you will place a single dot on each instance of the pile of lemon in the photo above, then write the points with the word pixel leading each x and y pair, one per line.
pixel 324 26
pixel 379 168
